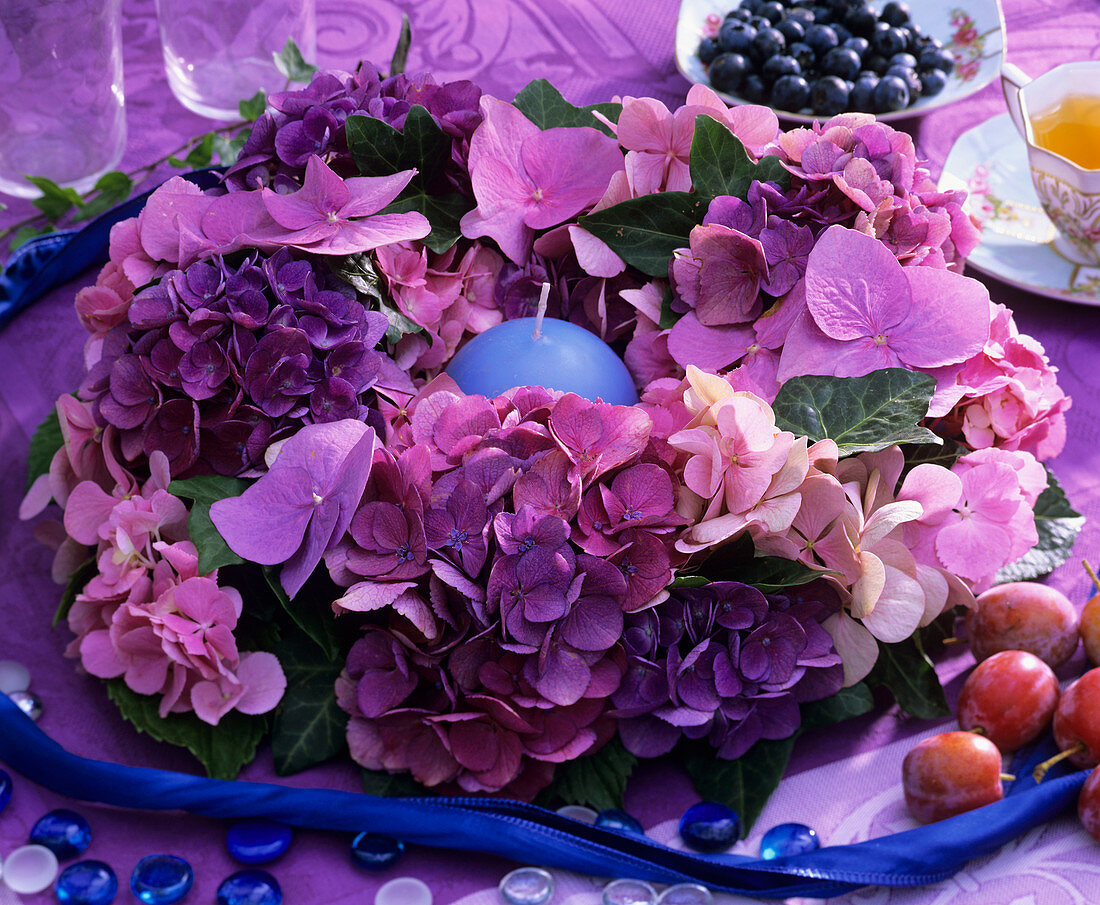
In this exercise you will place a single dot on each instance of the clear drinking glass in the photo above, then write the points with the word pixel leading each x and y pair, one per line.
pixel 219 52
pixel 62 108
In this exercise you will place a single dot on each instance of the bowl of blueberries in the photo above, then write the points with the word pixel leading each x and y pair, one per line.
pixel 812 59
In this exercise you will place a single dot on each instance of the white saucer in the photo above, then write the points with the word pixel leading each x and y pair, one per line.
pixel 990 161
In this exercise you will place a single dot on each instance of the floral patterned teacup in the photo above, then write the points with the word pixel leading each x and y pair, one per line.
pixel 1069 193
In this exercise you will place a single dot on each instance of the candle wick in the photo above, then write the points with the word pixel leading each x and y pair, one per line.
pixel 541 313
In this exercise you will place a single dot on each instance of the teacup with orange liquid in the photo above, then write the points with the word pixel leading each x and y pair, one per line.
pixel 1058 115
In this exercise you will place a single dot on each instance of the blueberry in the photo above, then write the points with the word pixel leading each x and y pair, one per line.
pixel 932 82
pixel 828 96
pixel 895 13
pixel 910 77
pixel 751 6
pixel 791 92
pixel 736 37
pixel 888 40
pixel 791 29
pixel 708 50
pixel 891 93
pixel 821 39
pixel 842 33
pixel 754 90
pixel 875 62
pixel 841 61
pixel 859 45
pixel 862 96
pixel 904 59
pixel 861 21
pixel 769 42
pixel 779 66
pixel 740 15
pixel 802 15
pixel 759 22
pixel 822 14
pixel 804 54
pixel 728 71
pixel 772 11
pixel 937 58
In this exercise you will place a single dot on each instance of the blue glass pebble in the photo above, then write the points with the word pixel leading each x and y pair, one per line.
pixel 621 821
pixel 63 832
pixel 161 879
pixel 629 892
pixel 250 887
pixel 87 883
pixel 527 886
pixel 5 789
pixel 686 894
pixel 710 827
pixel 788 839
pixel 257 841
pixel 372 852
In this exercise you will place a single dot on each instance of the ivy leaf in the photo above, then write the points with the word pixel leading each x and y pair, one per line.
pixel 1058 524
pixel 226 149
pixel 544 105
pixel 290 63
pixel 744 784
pixel 720 165
pixel 253 108
pixel 80 577
pixel 844 705
pixel 26 233
pixel 443 212
pixel 905 670
pixel 222 750
pixel 690 581
pixel 55 201
pixel 401 51
pixel 45 442
pixel 200 155
pixel 391 785
pixel 645 231
pixel 379 149
pixel 668 316
pixel 765 573
pixel 944 454
pixel 203 491
pixel 862 414
pixel 111 189
pixel 309 610
pixel 597 780
pixel 309 725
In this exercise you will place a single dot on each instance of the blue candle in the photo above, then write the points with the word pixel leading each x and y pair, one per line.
pixel 533 351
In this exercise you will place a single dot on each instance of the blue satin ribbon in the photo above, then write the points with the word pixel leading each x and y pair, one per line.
pixel 46 262
pixel 532 835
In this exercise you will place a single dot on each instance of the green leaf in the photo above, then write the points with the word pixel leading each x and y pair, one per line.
pixel 222 750
pixel 690 581
pixel 721 166
pixel 401 52
pixel 359 273
pixel 253 108
pixel 645 231
pixel 906 671
pixel 311 612
pixel 443 212
pixel 391 785
pixel 379 149
pixel 596 780
pixel 26 233
pixel 226 149
pixel 309 726
pixel 203 491
pixel 744 784
pixel 111 188
pixel 944 454
pixel 544 105
pixel 80 577
pixel 862 414
pixel 668 316
pixel 844 705
pixel 45 441
pixel 289 62
pixel 55 201
pixel 1058 524
pixel 765 573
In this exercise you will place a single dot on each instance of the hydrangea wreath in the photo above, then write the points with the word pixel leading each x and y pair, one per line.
pixel 283 519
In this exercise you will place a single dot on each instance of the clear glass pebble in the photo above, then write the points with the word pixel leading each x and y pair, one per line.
pixel 161 879
pixel 372 852
pixel 710 827
pixel 629 892
pixel 258 841
pixel 788 839
pixel 87 883
pixel 404 891
pixel 14 677
pixel 527 886
pixel 686 894
pixel 579 812
pixel 615 819
pixel 5 789
pixel 63 832
pixel 250 887
pixel 29 703
pixel 30 869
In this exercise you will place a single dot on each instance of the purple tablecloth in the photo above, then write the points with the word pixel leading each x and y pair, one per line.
pixel 592 50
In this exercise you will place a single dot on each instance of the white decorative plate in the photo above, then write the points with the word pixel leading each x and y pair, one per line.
pixel 990 161
pixel 973 30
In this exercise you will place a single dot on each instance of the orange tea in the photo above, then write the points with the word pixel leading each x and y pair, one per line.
pixel 1071 128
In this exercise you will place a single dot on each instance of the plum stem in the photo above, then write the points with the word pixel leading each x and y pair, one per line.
pixel 1008 777
pixel 1041 770
pixel 1092 574
pixel 954 639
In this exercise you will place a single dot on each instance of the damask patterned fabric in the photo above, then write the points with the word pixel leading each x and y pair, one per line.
pixel 592 50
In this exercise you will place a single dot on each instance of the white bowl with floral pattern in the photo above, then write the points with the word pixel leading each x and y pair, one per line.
pixel 972 30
